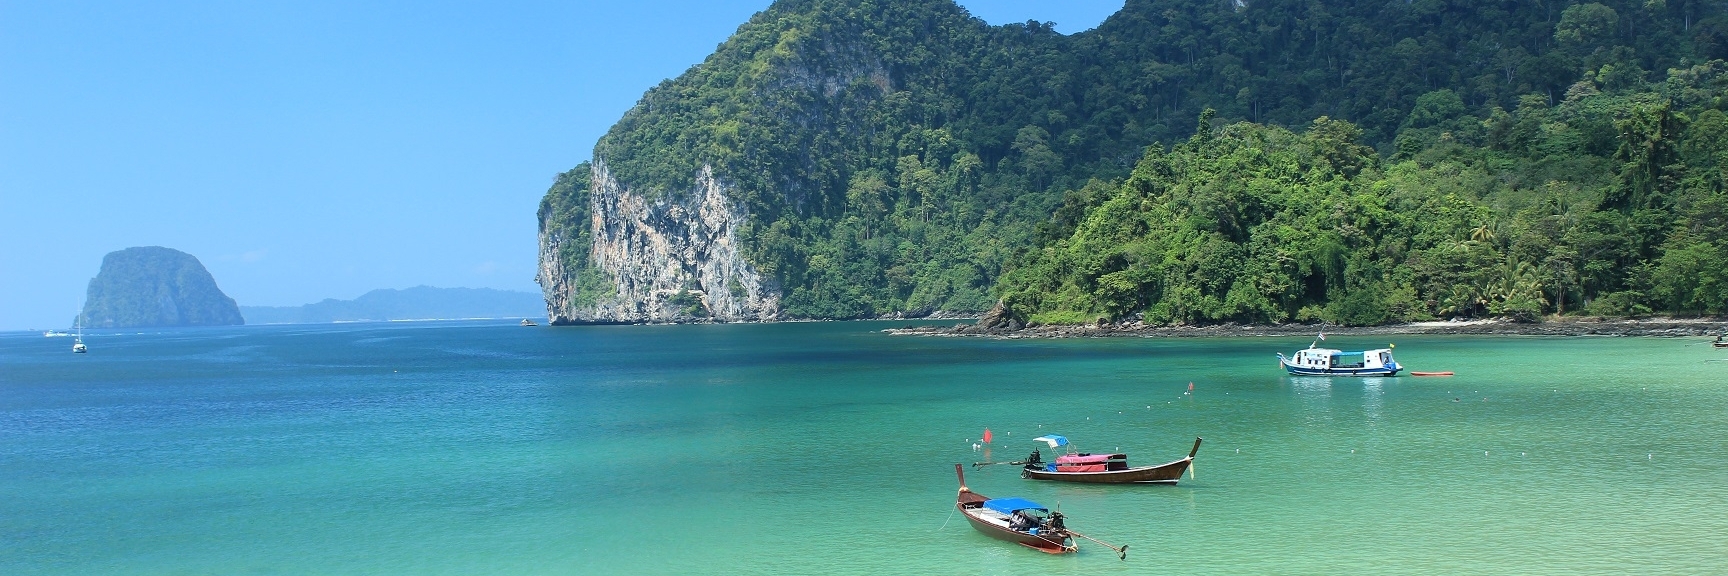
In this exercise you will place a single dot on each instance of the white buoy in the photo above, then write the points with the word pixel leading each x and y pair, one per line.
pixel 1238 450
pixel 1352 450
pixel 1484 452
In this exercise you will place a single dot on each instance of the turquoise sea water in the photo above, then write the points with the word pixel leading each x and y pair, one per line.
pixel 828 448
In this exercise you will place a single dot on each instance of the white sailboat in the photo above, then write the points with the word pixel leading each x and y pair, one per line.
pixel 78 346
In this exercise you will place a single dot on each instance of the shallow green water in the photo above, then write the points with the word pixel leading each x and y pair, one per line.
pixel 475 448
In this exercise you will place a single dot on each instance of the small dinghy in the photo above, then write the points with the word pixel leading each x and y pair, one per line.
pixel 1021 521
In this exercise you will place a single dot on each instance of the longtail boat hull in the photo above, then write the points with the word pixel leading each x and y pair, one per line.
pixel 1054 544
pixel 1160 474
pixel 1167 473
pixel 971 505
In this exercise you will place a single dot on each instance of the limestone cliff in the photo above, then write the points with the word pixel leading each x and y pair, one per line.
pixel 675 258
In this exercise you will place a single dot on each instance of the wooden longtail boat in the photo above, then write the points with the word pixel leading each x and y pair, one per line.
pixel 1021 521
pixel 1106 469
pixel 1016 520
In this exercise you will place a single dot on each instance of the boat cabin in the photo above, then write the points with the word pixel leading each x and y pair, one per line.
pixel 1329 359
pixel 1088 463
pixel 1018 514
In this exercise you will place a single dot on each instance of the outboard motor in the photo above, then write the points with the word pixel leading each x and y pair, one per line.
pixel 1056 521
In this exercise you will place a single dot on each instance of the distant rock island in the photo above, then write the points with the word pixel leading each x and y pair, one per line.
pixel 153 286
pixel 417 303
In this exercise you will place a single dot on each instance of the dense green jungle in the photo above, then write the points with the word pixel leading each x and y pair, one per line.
pixel 1200 161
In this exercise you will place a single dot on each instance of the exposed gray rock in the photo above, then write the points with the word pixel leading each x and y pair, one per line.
pixel 675 258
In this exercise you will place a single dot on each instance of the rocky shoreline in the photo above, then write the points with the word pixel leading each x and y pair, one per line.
pixel 1566 326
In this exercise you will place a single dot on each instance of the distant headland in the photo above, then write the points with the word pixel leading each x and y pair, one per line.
pixel 417 303
pixel 153 286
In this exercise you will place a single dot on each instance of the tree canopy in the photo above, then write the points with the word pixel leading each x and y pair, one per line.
pixel 1357 161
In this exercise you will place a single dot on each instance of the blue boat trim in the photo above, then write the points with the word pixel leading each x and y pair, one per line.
pixel 1389 368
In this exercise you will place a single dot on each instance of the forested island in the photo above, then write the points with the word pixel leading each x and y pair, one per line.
pixel 152 286
pixel 1186 162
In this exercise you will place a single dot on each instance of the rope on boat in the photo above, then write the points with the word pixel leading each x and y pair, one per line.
pixel 950 517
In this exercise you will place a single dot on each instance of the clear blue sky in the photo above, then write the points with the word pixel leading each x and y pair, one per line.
pixel 312 149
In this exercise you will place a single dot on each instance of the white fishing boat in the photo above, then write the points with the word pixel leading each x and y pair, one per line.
pixel 1329 362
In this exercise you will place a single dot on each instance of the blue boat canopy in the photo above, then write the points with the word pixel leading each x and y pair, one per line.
pixel 1010 505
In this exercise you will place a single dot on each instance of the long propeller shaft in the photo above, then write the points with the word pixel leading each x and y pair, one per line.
pixel 1121 552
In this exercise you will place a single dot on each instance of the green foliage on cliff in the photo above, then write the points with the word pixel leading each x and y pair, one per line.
pixel 564 217
pixel 155 286
pixel 896 155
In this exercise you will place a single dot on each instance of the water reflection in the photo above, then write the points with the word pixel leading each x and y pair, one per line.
pixel 1372 396
pixel 1311 385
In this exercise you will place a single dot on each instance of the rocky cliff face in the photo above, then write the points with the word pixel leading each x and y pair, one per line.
pixel 672 259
